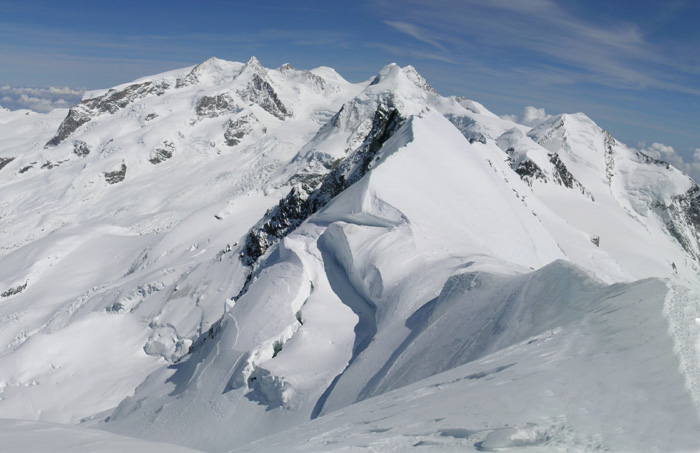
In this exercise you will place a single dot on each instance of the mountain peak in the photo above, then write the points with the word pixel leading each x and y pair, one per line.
pixel 212 70
pixel 418 79
pixel 571 119
pixel 564 124
pixel 403 81
pixel 254 66
pixel 390 71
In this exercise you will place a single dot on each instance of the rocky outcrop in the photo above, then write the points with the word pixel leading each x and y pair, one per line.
pixel 307 198
pixel 4 161
pixel 14 290
pixel 110 102
pixel 237 129
pixel 163 152
pixel 529 172
pixel 117 176
pixel 80 148
pixel 563 176
pixel 214 106
pixel 49 165
pixel 682 219
pixel 646 159
pixel 609 143
pixel 260 92
pixel 26 168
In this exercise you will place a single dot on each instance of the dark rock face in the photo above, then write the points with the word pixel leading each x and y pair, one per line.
pixel 114 177
pixel 213 106
pixel 151 116
pixel 4 161
pixel 16 290
pixel 48 165
pixel 110 102
pixel 77 116
pixel 682 219
pixel 563 176
pixel 240 127
pixel 307 198
pixel 477 138
pixel 310 179
pixel 387 120
pixel 163 152
pixel 80 148
pixel 529 172
pixel 646 159
pixel 609 156
pixel 260 92
pixel 289 213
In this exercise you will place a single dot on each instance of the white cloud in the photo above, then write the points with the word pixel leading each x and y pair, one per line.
pixel 39 99
pixel 657 150
pixel 696 155
pixel 530 116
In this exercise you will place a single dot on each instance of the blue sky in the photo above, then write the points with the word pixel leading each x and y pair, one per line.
pixel 635 71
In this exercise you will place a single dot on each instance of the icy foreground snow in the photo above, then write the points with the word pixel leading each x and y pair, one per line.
pixel 229 257
pixel 37 437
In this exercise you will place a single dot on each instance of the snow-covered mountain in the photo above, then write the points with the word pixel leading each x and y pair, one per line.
pixel 234 257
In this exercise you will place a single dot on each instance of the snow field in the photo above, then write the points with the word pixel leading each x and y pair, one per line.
pixel 443 302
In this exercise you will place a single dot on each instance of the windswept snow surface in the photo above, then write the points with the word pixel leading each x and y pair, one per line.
pixel 24 436
pixel 235 257
pixel 543 388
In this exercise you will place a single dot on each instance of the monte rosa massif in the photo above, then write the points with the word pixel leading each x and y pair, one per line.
pixel 233 258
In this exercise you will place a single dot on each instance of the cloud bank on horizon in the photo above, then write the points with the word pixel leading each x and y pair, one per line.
pixel 39 99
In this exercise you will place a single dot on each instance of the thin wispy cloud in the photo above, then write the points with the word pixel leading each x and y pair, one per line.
pixel 415 32
pixel 404 51
pixel 616 55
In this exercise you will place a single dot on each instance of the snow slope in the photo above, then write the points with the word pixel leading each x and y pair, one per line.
pixel 543 388
pixel 29 436
pixel 227 252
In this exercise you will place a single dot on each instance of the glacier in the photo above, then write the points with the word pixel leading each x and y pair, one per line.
pixel 228 257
